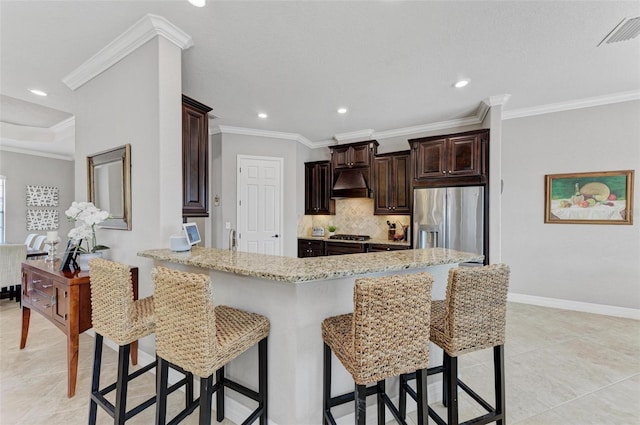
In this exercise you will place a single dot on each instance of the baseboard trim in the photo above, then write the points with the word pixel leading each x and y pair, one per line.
pixel 608 310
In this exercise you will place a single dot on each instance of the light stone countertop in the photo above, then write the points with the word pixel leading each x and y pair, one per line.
pixel 298 270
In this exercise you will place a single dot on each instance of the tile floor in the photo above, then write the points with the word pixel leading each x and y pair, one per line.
pixel 562 367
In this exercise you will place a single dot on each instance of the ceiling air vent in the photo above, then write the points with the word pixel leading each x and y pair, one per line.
pixel 627 29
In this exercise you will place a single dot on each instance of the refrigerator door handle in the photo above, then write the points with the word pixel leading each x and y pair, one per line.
pixel 434 238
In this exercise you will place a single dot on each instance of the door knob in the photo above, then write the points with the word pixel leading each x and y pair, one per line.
pixel 274 236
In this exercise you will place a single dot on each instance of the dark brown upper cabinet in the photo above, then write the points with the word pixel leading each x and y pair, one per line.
pixel 195 158
pixel 351 169
pixel 392 183
pixel 454 159
pixel 352 155
pixel 317 188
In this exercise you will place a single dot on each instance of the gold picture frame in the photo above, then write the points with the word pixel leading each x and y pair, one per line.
pixel 604 197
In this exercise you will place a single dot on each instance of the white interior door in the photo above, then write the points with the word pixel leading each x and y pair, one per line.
pixel 259 204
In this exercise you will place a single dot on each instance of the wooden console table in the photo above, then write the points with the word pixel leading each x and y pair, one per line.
pixel 64 298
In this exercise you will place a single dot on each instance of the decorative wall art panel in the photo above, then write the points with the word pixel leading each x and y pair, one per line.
pixel 42 219
pixel 42 196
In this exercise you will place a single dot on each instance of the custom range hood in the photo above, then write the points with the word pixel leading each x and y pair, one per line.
pixel 351 183
pixel 351 166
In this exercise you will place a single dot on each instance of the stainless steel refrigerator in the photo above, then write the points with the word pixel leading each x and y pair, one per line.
pixel 451 217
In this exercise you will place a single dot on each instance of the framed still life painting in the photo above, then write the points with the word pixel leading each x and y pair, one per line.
pixel 589 198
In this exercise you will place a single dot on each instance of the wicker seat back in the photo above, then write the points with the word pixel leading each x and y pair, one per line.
pixel 475 309
pixel 185 316
pixel 114 312
pixel 388 333
pixel 194 333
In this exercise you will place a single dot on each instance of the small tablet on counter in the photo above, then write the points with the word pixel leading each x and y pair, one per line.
pixel 193 235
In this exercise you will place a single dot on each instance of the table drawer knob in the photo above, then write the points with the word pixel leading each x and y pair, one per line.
pixel 36 281
pixel 47 286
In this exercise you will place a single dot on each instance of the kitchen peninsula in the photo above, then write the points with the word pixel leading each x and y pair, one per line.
pixel 296 294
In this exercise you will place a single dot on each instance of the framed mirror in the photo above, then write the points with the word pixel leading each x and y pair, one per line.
pixel 109 185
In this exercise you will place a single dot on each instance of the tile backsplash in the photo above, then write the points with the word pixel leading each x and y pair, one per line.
pixel 353 216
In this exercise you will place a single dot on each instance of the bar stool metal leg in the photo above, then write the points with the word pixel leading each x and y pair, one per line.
pixel 423 405
pixel 262 379
pixel 220 394
pixel 403 397
pixel 162 377
pixel 95 378
pixel 446 363
pixel 498 366
pixel 380 388
pixel 326 385
pixel 361 404
pixel 206 385
pixel 451 376
pixel 122 384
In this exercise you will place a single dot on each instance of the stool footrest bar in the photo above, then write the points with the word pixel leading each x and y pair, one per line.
pixel 476 397
pixel 241 389
pixel 184 413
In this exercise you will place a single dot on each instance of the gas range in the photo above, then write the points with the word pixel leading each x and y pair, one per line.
pixel 342 237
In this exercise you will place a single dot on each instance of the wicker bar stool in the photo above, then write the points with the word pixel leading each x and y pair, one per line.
pixel 471 318
pixel 116 315
pixel 386 335
pixel 202 338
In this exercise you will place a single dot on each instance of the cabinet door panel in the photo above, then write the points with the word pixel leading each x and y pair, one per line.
pixel 340 248
pixel 360 156
pixel 317 181
pixel 195 161
pixel 402 185
pixel 309 189
pixel 464 155
pixel 430 159
pixel 307 248
pixel 381 185
pixel 323 184
pixel 340 157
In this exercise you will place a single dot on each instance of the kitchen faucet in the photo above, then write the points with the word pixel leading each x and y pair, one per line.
pixel 233 243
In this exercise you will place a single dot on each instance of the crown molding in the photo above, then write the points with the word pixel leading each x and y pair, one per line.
pixel 64 129
pixel 226 129
pixel 496 100
pixel 35 153
pixel 56 133
pixel 26 133
pixel 148 27
pixel 57 141
pixel 478 118
pixel 354 136
pixel 482 111
pixel 461 122
pixel 573 104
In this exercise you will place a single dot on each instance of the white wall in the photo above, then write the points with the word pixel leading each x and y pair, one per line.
pixel 22 170
pixel 138 101
pixel 597 264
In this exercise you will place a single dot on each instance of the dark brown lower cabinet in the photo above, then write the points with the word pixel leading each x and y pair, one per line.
pixel 379 247
pixel 307 248
pixel 339 248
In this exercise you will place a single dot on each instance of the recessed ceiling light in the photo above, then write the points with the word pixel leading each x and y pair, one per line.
pixel 461 83
pixel 38 92
pixel 262 115
pixel 342 110
pixel 198 3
